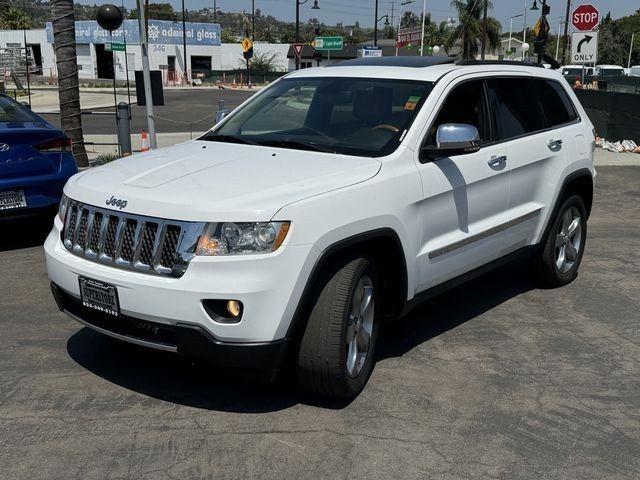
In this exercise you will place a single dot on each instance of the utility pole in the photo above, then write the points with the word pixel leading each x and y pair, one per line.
pixel 215 10
pixel 253 20
pixel 424 14
pixel 375 27
pixel 566 38
pixel 146 74
pixel 484 28
pixel 393 4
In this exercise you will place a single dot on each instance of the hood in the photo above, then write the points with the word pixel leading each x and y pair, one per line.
pixel 212 181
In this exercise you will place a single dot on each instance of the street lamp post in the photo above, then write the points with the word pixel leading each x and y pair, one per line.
pixel 298 3
pixel 511 29
pixel 558 40
pixel 524 30
pixel 400 22
pixel 184 46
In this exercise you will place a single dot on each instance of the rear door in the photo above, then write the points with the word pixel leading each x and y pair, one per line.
pixel 533 121
pixel 462 215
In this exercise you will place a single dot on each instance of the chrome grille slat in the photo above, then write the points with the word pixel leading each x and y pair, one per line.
pixel 127 241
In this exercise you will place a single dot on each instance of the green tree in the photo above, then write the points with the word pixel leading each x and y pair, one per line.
pixel 469 33
pixel 4 6
pixel 264 62
pixel 14 19
pixel 64 38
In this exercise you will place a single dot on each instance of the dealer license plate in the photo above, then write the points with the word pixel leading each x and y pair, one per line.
pixel 11 199
pixel 99 296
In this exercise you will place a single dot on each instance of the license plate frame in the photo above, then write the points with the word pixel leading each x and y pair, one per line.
pixel 12 200
pixel 99 296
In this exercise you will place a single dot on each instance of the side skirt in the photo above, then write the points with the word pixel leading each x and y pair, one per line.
pixel 520 254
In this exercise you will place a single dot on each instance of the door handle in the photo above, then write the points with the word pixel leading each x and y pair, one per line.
pixel 554 145
pixel 497 162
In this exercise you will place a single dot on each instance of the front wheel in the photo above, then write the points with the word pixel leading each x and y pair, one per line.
pixel 562 252
pixel 336 353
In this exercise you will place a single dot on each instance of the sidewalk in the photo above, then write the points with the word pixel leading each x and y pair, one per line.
pixel 44 99
pixel 163 139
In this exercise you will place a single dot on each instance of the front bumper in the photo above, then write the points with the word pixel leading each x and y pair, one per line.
pixel 269 287
pixel 190 340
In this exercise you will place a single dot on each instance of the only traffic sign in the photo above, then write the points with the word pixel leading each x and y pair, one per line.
pixel 585 17
pixel 584 47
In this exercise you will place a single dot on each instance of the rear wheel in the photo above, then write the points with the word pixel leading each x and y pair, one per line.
pixel 337 349
pixel 562 252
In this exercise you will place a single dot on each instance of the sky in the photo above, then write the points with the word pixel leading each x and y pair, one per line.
pixel 350 11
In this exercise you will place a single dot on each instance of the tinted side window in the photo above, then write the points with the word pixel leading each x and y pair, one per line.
pixel 515 106
pixel 556 105
pixel 464 104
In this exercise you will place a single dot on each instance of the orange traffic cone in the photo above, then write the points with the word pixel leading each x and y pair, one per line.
pixel 144 145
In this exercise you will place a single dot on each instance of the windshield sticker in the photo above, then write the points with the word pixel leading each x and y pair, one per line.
pixel 411 103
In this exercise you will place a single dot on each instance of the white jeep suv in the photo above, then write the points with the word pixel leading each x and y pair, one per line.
pixel 333 199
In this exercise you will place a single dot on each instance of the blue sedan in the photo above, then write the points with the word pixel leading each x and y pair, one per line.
pixel 35 162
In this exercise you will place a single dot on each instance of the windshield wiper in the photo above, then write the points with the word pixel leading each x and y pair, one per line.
pixel 227 138
pixel 286 143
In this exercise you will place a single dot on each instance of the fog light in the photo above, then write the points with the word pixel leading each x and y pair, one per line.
pixel 233 307
pixel 224 311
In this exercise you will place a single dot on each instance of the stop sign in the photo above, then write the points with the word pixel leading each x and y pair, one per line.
pixel 585 17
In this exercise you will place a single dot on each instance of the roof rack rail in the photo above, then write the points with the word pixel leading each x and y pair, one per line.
pixel 498 62
pixel 412 62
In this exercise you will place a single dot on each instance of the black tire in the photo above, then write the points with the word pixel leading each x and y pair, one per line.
pixel 548 262
pixel 322 366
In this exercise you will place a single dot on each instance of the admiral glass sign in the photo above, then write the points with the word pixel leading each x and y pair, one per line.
pixel 160 32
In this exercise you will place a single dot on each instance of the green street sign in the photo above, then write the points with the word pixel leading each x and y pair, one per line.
pixel 329 43
pixel 114 47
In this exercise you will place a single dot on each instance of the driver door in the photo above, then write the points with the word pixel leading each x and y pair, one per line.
pixel 463 213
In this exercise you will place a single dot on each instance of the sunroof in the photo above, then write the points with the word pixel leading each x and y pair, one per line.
pixel 412 62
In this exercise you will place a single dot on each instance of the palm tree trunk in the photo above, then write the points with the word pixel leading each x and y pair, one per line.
pixel 64 38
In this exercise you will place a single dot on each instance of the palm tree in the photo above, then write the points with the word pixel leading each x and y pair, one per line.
pixel 14 19
pixel 470 30
pixel 64 38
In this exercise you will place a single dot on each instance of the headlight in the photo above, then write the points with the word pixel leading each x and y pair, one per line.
pixel 62 208
pixel 242 238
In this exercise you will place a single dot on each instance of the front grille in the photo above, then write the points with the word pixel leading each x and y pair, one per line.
pixel 131 242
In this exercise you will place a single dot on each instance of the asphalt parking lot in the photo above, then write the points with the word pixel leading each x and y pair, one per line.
pixel 495 379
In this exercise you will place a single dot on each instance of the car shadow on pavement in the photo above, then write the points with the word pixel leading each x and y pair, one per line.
pixel 453 308
pixel 179 380
pixel 25 232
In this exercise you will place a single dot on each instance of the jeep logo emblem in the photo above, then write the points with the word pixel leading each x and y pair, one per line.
pixel 117 202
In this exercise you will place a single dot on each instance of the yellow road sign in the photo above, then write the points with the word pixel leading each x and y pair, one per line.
pixel 246 44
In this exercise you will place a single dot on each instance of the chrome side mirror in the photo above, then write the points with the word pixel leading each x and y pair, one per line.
pixel 457 135
pixel 220 114
pixel 452 139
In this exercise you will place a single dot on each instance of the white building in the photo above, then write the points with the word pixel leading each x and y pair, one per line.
pixel 204 51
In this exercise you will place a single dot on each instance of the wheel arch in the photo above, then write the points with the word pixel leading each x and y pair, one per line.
pixel 384 247
pixel 580 183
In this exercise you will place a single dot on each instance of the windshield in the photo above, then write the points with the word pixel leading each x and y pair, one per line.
pixel 353 116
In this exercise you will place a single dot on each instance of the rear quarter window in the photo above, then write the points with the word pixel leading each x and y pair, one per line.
pixel 515 106
pixel 556 104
